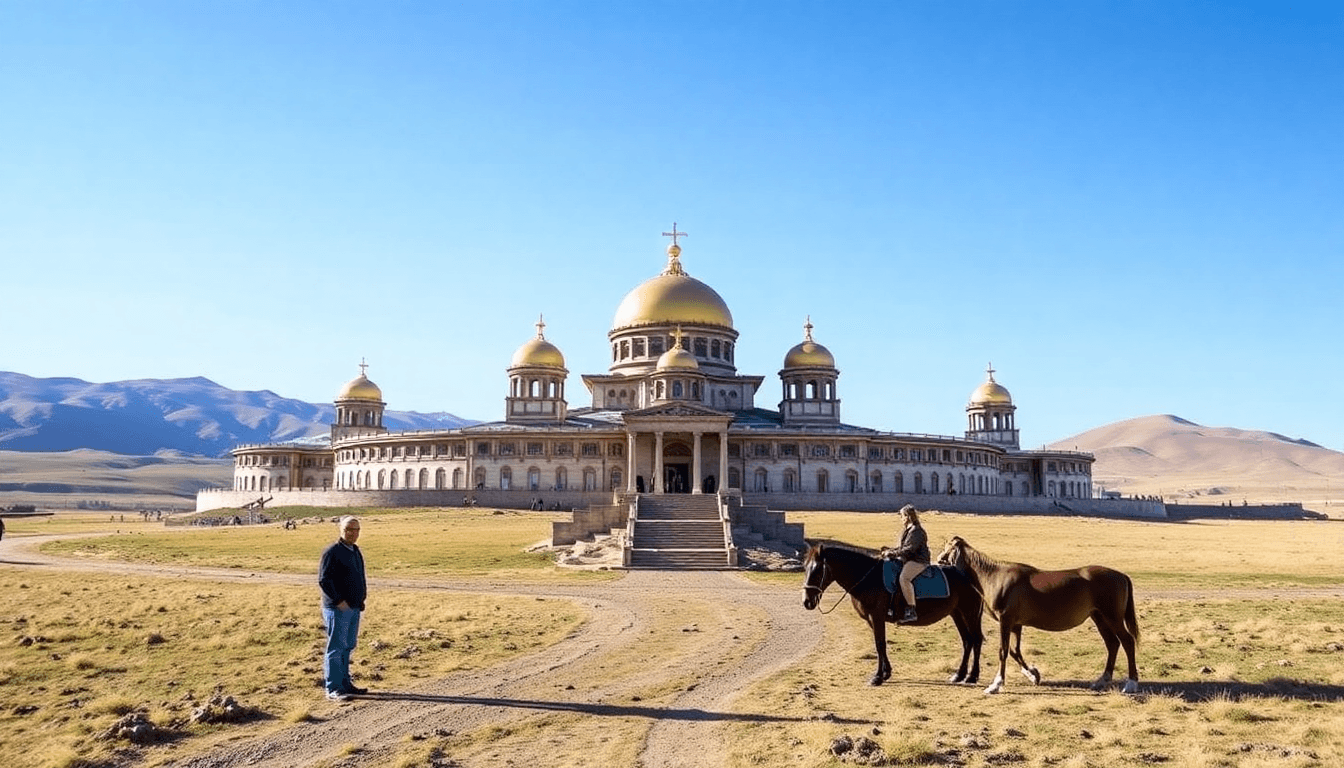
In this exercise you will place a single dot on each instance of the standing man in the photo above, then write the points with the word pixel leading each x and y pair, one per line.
pixel 341 577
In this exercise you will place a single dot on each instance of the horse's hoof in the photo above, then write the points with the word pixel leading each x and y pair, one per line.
pixel 956 679
pixel 1033 674
pixel 875 681
pixel 1131 686
pixel 993 689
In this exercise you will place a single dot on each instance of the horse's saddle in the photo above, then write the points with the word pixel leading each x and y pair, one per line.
pixel 931 582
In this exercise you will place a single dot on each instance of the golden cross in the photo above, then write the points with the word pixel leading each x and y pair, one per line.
pixel 363 366
pixel 674 234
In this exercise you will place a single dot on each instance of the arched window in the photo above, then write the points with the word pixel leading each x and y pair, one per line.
pixel 1050 489
pixel 561 479
pixel 505 478
pixel 424 479
pixel 898 483
pixel 734 478
pixel 875 482
pixel 933 482
pixel 919 482
pixel 852 481
pixel 762 484
pixel 392 481
pixel 823 481
pixel 790 481
pixel 382 479
pixel 533 479
pixel 589 480
pixel 480 477
pixel 615 479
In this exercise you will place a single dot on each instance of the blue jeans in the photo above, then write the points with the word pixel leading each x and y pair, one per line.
pixel 342 631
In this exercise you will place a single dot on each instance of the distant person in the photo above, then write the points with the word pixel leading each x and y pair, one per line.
pixel 2 528
pixel 913 552
pixel 341 577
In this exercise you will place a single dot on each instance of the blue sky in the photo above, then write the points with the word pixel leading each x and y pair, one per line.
pixel 1129 208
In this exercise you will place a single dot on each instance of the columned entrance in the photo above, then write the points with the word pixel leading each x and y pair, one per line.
pixel 678 448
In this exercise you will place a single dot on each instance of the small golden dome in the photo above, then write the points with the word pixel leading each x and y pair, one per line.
pixel 991 392
pixel 672 297
pixel 677 357
pixel 808 353
pixel 538 352
pixel 360 388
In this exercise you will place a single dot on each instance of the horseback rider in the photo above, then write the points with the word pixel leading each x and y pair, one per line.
pixel 913 553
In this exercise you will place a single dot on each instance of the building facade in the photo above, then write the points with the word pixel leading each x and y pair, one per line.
pixel 672 414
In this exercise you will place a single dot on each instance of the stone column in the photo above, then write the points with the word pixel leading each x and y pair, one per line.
pixel 657 479
pixel 723 461
pixel 695 464
pixel 629 463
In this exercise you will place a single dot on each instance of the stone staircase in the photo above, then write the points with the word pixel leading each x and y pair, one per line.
pixel 679 532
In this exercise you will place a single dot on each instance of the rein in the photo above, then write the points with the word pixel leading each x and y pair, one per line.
pixel 843 591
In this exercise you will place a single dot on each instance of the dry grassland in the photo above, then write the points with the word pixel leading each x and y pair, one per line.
pixel 401 542
pixel 1241 660
pixel 1253 681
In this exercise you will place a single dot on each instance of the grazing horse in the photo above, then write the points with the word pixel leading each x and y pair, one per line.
pixel 860 575
pixel 1020 596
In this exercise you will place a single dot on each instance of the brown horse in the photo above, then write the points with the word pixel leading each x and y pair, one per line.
pixel 860 575
pixel 1020 596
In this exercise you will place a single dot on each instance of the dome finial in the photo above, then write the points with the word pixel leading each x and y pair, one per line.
pixel 674 252
pixel 363 367
pixel 989 369
pixel 541 326
pixel 807 329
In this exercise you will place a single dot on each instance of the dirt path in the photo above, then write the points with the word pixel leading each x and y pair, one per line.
pixel 743 632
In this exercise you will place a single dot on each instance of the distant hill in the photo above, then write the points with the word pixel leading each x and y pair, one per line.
pixel 138 418
pixel 1169 456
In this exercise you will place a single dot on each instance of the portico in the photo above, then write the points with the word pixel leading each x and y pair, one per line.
pixel 676 448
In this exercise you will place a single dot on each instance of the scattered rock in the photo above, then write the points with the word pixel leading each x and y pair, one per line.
pixel 136 728
pixel 155 638
pixel 861 750
pixel 222 709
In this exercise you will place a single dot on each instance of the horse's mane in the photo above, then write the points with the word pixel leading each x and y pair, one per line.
pixel 985 561
pixel 832 544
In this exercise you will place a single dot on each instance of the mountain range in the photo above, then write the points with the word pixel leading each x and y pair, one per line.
pixel 192 416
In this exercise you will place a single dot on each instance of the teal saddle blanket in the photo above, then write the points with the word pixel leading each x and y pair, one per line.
pixel 931 582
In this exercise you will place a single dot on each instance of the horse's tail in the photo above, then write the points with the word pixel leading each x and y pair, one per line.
pixel 1131 617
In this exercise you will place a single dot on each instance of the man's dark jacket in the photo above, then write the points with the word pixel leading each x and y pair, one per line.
pixel 341 576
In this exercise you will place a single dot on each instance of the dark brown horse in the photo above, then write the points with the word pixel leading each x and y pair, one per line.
pixel 860 575
pixel 1020 596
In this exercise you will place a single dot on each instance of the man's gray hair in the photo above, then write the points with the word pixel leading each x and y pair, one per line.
pixel 346 520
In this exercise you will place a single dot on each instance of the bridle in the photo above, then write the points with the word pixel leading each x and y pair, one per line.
pixel 843 592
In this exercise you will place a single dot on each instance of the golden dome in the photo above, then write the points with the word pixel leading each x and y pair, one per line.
pixel 538 352
pixel 360 388
pixel 672 297
pixel 808 353
pixel 678 357
pixel 991 392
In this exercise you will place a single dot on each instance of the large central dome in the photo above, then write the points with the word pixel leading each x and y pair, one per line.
pixel 672 297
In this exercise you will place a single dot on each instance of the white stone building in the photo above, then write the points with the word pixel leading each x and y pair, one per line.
pixel 672 414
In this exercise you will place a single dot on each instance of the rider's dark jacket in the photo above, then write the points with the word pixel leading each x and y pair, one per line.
pixel 914 546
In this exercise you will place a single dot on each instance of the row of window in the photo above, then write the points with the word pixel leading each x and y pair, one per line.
pixel 875 453
pixel 411 479
pixel 653 347
pixel 279 460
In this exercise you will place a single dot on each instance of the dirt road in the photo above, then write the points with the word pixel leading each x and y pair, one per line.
pixel 657 665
